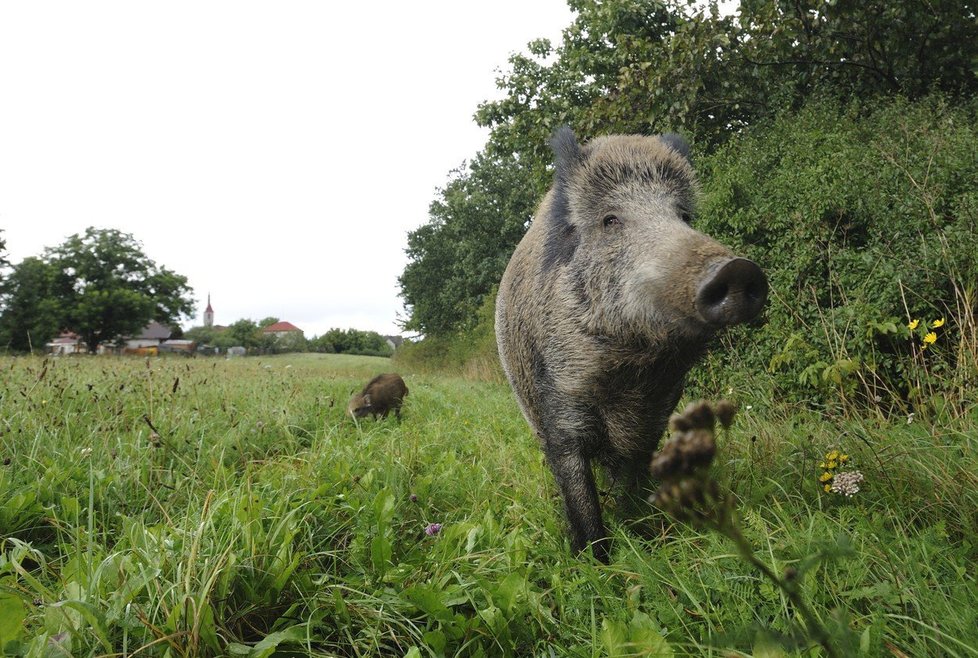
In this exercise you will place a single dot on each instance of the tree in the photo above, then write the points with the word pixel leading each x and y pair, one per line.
pixel 351 341
pixel 244 332
pixel 651 66
pixel 3 247
pixel 202 335
pixel 32 314
pixel 460 254
pixel 108 288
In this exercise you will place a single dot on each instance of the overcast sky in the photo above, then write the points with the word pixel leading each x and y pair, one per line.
pixel 276 154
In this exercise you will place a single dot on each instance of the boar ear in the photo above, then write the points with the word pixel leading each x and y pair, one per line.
pixel 677 144
pixel 566 151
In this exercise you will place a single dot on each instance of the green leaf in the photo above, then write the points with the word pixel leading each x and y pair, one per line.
pixel 90 614
pixel 638 638
pixel 267 646
pixel 429 601
pixel 13 612
pixel 380 553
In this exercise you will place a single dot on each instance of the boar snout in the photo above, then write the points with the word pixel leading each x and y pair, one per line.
pixel 733 292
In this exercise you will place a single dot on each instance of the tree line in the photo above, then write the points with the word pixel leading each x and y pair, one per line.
pixel 101 285
pixel 248 334
pixel 652 66
pixel 835 143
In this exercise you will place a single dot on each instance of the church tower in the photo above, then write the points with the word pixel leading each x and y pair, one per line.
pixel 208 313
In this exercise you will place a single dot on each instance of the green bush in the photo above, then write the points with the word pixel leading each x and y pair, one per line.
pixel 863 223
pixel 471 353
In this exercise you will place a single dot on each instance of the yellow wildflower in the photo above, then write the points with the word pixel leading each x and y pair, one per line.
pixel 843 459
pixel 938 323
pixel 930 338
pixel 913 324
pixel 832 456
pixel 827 488
pixel 825 477
pixel 832 464
pixel 823 465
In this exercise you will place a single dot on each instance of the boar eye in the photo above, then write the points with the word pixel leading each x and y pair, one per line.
pixel 612 220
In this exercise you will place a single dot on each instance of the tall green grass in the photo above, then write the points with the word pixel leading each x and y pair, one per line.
pixel 228 507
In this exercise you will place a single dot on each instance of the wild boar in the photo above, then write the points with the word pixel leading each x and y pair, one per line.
pixel 381 394
pixel 607 302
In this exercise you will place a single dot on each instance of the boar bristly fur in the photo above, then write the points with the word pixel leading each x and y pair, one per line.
pixel 382 394
pixel 607 302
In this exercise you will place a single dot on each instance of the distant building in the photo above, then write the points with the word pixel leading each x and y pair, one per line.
pixel 151 336
pixel 394 341
pixel 208 313
pixel 178 346
pixel 66 343
pixel 282 330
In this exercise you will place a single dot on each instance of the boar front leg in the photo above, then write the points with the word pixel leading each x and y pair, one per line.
pixel 575 478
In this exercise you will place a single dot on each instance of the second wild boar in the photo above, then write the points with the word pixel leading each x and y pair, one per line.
pixel 379 397
pixel 607 302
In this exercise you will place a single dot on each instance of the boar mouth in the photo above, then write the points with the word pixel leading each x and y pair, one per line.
pixel 733 291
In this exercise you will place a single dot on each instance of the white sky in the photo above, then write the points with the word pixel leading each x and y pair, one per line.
pixel 276 154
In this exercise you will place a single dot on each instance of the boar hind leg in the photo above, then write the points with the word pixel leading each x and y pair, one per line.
pixel 576 481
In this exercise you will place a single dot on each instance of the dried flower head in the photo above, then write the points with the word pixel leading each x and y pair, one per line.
pixel 687 492
pixel 725 411
pixel 684 454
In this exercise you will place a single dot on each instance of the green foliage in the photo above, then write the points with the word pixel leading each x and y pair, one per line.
pixel 32 313
pixel 648 66
pixel 351 341
pixel 100 285
pixel 460 254
pixel 3 247
pixel 469 353
pixel 109 288
pixel 862 224
pixel 645 66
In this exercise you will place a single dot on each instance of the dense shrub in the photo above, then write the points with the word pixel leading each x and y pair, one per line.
pixel 470 353
pixel 351 341
pixel 864 223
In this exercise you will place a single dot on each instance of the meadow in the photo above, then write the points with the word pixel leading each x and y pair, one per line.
pixel 212 507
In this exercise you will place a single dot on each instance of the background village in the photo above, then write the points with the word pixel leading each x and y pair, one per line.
pixel 270 336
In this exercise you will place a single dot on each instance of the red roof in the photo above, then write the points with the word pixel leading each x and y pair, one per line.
pixel 281 326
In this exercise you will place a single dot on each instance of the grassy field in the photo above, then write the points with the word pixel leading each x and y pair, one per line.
pixel 171 507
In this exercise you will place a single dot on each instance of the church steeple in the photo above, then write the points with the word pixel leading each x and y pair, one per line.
pixel 208 313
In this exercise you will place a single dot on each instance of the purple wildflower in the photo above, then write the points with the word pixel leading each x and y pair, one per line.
pixel 432 529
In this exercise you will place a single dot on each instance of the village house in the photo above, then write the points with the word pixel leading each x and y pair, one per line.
pixel 66 343
pixel 282 330
pixel 151 336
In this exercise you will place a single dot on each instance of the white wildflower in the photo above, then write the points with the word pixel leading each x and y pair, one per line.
pixel 847 483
